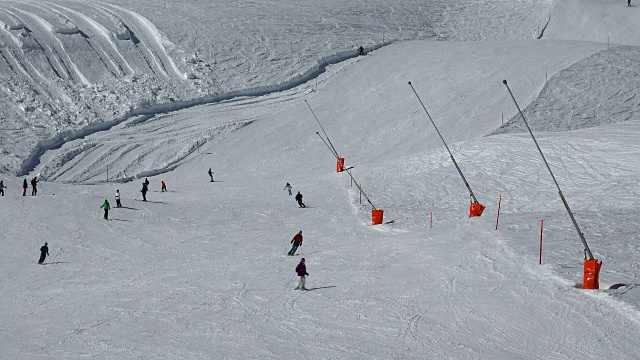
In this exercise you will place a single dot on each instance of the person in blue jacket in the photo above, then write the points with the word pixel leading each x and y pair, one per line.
pixel 2 187
pixel 288 187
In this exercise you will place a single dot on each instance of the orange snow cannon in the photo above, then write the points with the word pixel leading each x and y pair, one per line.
pixel 591 274
pixel 376 217
pixel 475 209
pixel 340 165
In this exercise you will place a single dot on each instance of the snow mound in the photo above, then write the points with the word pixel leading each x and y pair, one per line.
pixel 603 88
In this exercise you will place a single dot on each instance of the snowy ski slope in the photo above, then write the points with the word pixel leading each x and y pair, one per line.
pixel 201 271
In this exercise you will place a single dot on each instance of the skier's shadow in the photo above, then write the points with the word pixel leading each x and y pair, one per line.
pixel 120 220
pixel 126 207
pixel 321 287
pixel 155 202
pixel 56 262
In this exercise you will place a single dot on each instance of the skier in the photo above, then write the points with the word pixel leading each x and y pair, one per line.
pixel 34 184
pixel 164 187
pixel 2 187
pixel 361 51
pixel 211 174
pixel 296 241
pixel 288 187
pixel 299 200
pixel 301 269
pixel 144 191
pixel 44 252
pixel 24 187
pixel 118 204
pixel 106 208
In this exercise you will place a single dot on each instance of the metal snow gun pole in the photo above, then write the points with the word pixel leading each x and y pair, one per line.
pixel 376 214
pixel 340 160
pixel 591 266
pixel 475 209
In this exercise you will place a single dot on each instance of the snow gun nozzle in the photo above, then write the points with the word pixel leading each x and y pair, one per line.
pixel 409 82
pixel 504 82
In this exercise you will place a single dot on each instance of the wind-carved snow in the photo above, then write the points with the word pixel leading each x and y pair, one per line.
pixel 103 56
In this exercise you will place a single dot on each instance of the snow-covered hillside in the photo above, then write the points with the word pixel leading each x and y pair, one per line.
pixel 201 271
pixel 66 65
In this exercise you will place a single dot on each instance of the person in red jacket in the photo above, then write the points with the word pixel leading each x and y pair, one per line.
pixel 296 241
pixel 301 269
pixel 164 187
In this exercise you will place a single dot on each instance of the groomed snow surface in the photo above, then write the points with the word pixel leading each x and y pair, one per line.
pixel 201 271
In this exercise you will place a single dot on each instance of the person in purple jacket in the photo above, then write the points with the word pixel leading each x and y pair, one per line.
pixel 301 269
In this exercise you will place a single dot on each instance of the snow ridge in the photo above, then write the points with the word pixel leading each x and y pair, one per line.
pixel 33 160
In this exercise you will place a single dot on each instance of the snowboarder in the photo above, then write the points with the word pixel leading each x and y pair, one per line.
pixel 164 187
pixel 34 184
pixel 301 269
pixel 44 252
pixel 361 51
pixel 288 187
pixel 144 191
pixel 118 204
pixel 24 187
pixel 2 187
pixel 211 174
pixel 106 208
pixel 296 241
pixel 299 200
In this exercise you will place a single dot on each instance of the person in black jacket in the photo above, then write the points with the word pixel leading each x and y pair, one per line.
pixel 211 174
pixel 34 188
pixel 44 252
pixel 299 200
pixel 144 191
pixel 24 187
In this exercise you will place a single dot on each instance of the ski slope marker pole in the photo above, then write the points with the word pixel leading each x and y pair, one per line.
pixel 351 177
pixel 541 226
pixel 430 219
pixel 360 187
pixel 498 218
pixel 107 172
pixel 564 201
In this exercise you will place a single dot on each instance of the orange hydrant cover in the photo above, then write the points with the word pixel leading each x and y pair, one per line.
pixel 340 165
pixel 475 209
pixel 376 217
pixel 591 274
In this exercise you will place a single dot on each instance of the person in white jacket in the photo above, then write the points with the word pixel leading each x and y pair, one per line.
pixel 118 199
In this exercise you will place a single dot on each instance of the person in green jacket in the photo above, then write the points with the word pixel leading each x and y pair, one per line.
pixel 106 208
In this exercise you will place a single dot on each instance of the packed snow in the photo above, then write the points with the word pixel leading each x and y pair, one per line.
pixel 96 96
